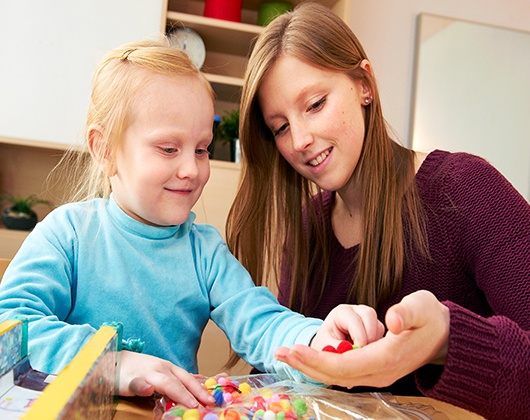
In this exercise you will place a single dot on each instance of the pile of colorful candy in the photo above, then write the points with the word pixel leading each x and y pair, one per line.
pixel 225 391
pixel 238 401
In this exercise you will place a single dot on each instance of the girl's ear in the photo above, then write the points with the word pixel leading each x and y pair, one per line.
pixel 365 65
pixel 98 149
pixel 366 91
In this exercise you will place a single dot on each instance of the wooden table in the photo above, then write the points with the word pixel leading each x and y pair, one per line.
pixel 136 408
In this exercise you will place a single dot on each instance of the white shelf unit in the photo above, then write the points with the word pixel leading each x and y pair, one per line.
pixel 228 44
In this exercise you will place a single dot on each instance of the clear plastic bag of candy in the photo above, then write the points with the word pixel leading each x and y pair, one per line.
pixel 265 397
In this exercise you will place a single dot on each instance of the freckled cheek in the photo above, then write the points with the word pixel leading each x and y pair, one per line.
pixel 289 155
pixel 284 150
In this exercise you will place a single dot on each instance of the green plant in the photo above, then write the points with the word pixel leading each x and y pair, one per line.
pixel 228 129
pixel 23 205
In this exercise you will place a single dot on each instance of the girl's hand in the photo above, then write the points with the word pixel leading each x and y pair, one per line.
pixel 143 375
pixel 355 323
pixel 418 331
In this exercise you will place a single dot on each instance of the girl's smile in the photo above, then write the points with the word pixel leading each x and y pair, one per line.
pixel 320 158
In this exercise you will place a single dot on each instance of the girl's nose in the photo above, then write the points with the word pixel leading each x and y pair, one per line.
pixel 188 167
pixel 301 138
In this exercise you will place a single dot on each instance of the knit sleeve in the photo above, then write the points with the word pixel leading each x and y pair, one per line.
pixel 488 362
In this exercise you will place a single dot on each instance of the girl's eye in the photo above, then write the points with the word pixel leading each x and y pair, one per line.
pixel 202 152
pixel 169 150
pixel 281 129
pixel 317 105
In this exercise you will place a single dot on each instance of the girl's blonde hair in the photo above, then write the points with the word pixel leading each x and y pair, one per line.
pixel 266 217
pixel 118 80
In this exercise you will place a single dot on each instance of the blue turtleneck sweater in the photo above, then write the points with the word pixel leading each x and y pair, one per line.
pixel 89 263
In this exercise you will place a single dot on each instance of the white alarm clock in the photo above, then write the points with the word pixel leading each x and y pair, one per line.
pixel 190 41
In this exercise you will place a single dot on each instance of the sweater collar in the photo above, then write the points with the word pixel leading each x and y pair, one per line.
pixel 126 222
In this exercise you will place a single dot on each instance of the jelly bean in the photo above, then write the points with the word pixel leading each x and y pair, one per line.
pixel 258 415
pixel 178 412
pixel 218 396
pixel 169 405
pixel 245 388
pixel 191 414
pixel 330 349
pixel 221 381
pixel 210 383
pixel 344 346
pixel 227 397
pixel 266 393
pixel 211 416
pixel 300 407
pixel 259 403
pixel 285 405
pixel 230 415
pixel 275 407
pixel 269 415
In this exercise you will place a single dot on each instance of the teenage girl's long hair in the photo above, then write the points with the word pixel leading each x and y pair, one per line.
pixel 266 218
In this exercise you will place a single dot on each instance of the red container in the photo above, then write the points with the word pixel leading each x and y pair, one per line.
pixel 223 9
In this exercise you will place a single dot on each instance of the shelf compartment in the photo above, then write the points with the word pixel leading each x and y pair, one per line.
pixel 215 32
pixel 227 89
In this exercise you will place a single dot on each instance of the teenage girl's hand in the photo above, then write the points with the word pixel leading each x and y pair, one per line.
pixel 355 323
pixel 418 331
pixel 143 375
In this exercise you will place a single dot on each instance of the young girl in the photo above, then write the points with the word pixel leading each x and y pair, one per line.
pixel 344 214
pixel 134 255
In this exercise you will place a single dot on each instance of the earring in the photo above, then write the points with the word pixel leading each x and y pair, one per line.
pixel 367 100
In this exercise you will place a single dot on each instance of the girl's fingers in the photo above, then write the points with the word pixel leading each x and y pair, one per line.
pixel 193 387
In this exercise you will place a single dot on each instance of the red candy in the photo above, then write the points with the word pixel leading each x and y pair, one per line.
pixel 169 405
pixel 343 347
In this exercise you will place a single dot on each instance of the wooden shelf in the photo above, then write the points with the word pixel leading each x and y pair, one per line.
pixel 216 32
pixel 33 143
pixel 225 60
pixel 227 88
pixel 228 44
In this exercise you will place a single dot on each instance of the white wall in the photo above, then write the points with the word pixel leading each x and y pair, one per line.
pixel 387 30
pixel 472 94
pixel 49 49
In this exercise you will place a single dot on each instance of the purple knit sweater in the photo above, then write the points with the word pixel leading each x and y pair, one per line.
pixel 478 229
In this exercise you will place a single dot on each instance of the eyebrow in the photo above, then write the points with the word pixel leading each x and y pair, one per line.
pixel 305 91
pixel 298 98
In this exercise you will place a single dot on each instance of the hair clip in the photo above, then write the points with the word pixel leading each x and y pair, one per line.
pixel 126 54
